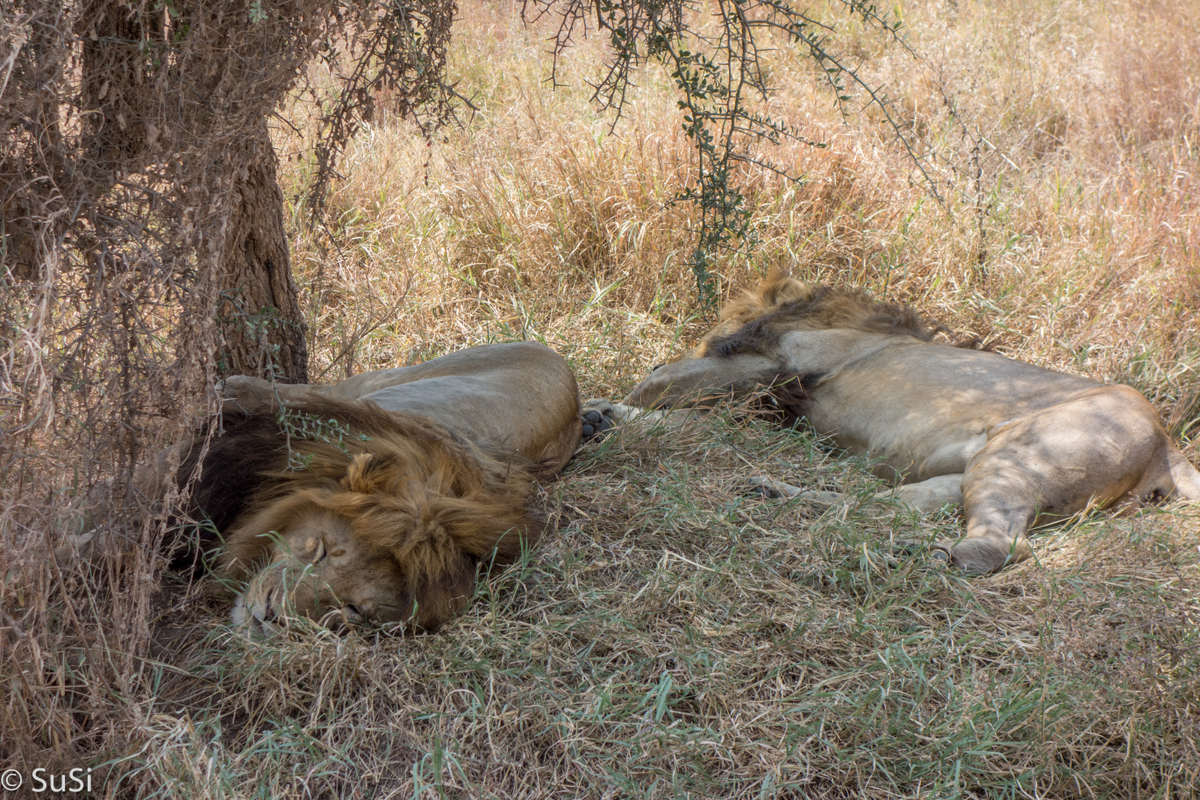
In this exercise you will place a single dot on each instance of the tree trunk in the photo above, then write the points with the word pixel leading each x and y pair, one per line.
pixel 260 313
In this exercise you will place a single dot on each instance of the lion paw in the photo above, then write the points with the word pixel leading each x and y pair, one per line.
pixel 598 419
pixel 938 553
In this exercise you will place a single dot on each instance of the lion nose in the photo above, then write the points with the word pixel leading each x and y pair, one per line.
pixel 259 614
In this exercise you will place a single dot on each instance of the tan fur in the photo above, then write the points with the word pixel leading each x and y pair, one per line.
pixel 433 506
pixel 1013 443
pixel 381 497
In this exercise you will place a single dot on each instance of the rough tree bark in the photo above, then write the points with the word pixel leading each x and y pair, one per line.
pixel 260 314
pixel 123 57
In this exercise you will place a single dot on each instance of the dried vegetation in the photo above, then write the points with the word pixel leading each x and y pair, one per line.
pixel 674 637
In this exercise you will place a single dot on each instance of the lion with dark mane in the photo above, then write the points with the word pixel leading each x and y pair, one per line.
pixel 1011 442
pixel 378 498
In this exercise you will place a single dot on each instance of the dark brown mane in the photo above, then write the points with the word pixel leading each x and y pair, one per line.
pixel 821 308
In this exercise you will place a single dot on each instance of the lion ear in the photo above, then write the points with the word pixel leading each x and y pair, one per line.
pixel 779 288
pixel 364 474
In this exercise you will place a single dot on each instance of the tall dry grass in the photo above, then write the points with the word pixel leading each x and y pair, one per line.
pixel 1060 137
pixel 675 638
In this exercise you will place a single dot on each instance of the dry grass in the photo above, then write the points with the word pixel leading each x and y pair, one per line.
pixel 675 638
pixel 678 639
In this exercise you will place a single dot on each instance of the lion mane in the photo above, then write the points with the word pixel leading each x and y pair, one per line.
pixel 754 322
pixel 406 485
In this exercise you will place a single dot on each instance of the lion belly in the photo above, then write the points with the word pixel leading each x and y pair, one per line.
pixel 923 410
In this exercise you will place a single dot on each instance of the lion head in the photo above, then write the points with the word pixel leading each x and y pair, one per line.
pixel 782 303
pixel 341 510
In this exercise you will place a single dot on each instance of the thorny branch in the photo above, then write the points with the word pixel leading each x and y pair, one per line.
pixel 716 55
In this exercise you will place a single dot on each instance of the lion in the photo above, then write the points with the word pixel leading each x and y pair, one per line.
pixel 381 497
pixel 1012 443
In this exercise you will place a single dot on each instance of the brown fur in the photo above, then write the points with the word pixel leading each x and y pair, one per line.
pixel 780 304
pixel 405 484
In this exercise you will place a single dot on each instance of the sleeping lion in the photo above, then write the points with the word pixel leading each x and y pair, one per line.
pixel 1011 442
pixel 380 497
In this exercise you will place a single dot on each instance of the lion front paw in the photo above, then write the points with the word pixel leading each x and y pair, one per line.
pixel 766 488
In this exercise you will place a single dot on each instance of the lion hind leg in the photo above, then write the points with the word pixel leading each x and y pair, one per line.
pixel 1002 499
pixel 1091 451
pixel 1184 478
pixel 1169 476
pixel 999 505
pixel 930 495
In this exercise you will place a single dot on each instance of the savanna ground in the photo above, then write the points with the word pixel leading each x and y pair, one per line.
pixel 673 637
